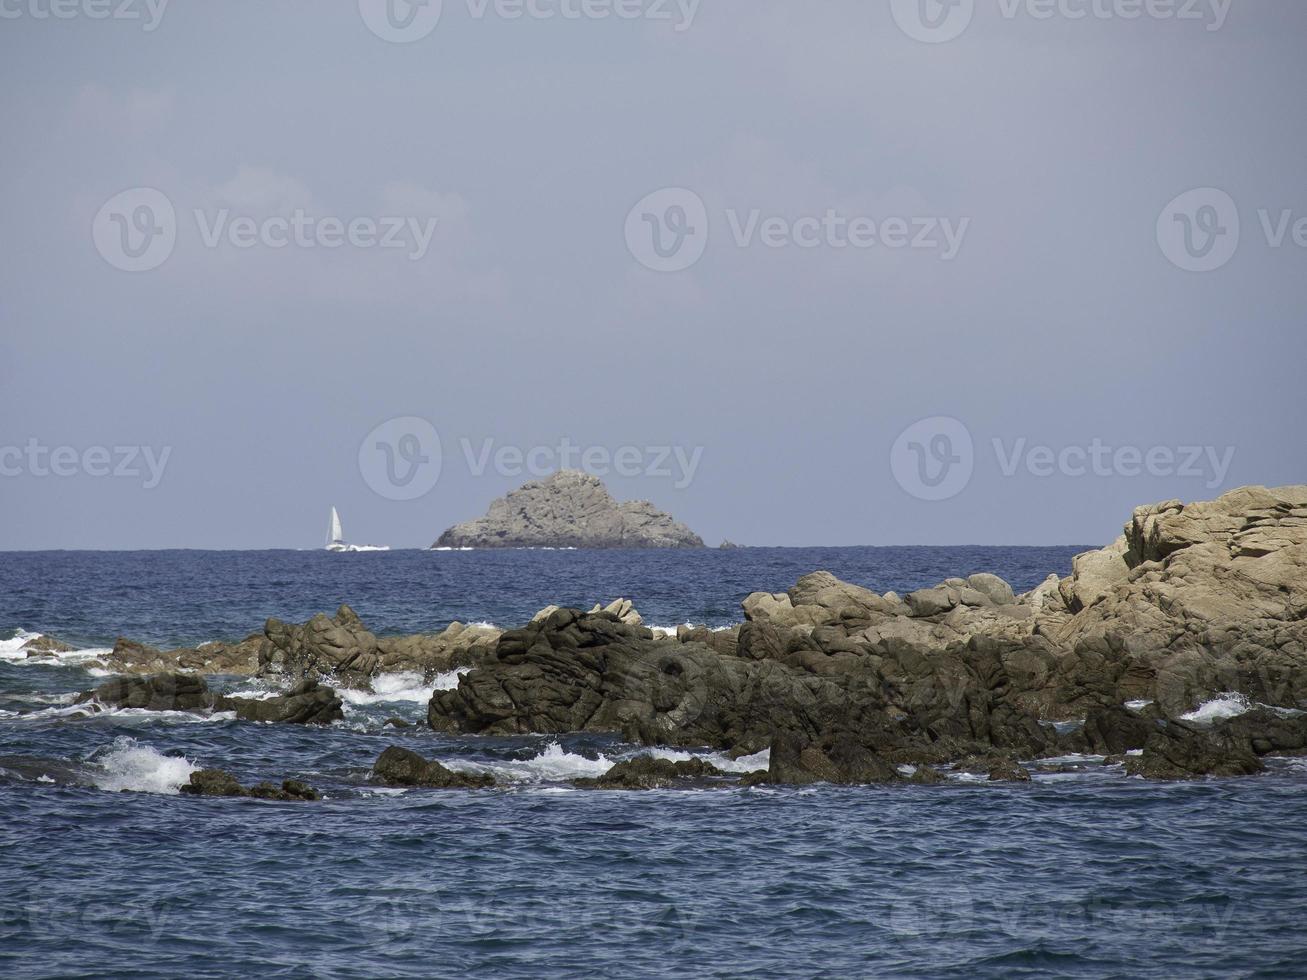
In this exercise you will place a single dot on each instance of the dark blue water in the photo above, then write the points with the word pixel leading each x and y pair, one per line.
pixel 104 871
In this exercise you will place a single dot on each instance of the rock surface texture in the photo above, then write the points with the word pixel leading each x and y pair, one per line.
pixel 337 648
pixel 845 685
pixel 570 509
pixel 307 703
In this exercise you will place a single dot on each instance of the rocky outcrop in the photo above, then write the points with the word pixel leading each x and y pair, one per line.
pixel 308 703
pixel 337 648
pixel 1180 751
pixel 570 509
pixel 132 657
pixel 646 772
pixel 45 646
pixel 216 782
pixel 844 684
pixel 588 672
pixel 162 692
pixel 400 767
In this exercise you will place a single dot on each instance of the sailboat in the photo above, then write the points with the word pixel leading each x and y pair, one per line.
pixel 336 538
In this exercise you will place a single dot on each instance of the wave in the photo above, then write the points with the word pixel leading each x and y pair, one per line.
pixel 1227 705
pixel 402 686
pixel 671 630
pixel 84 712
pixel 12 651
pixel 556 764
pixel 1231 704
pixel 139 768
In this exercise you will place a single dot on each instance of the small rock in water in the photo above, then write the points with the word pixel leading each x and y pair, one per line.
pixel 216 782
pixel 646 772
pixel 400 767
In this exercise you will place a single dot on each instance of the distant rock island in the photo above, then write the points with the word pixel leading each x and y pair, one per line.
pixel 570 509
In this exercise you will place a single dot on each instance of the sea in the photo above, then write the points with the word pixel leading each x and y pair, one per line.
pixel 107 871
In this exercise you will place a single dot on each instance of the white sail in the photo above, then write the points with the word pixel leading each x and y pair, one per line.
pixel 336 538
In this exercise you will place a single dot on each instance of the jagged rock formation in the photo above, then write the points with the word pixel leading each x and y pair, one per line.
pixel 570 509
pixel 843 684
pixel 308 703
pixel 337 648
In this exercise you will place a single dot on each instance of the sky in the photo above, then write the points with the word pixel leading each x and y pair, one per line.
pixel 900 272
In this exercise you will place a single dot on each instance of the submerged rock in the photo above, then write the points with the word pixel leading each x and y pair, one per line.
pixel 216 782
pixel 570 509
pixel 400 767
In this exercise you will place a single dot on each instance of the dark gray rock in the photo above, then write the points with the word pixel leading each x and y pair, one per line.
pixel 159 692
pixel 400 767
pixel 309 703
pixel 1184 751
pixel 216 782
pixel 646 772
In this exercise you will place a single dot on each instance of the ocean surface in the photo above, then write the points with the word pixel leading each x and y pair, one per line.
pixel 106 871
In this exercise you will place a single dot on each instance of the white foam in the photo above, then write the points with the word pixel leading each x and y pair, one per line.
pixel 554 764
pixel 671 630
pixel 745 763
pixel 142 769
pixel 1137 705
pixel 1227 705
pixel 403 686
pixel 12 651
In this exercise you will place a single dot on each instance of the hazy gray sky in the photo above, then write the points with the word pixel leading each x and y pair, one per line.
pixel 1037 164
